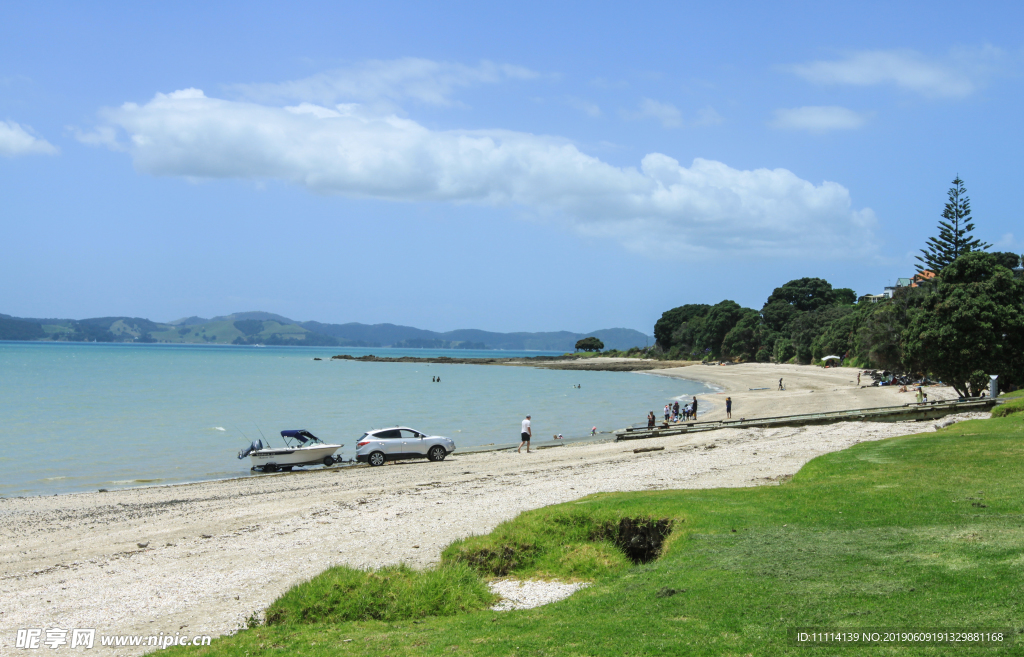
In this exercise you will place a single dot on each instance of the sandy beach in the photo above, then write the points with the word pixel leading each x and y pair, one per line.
pixel 200 558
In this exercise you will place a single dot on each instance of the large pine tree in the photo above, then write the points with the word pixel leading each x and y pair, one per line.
pixel 954 238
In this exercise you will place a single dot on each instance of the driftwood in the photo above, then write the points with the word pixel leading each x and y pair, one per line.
pixel 648 449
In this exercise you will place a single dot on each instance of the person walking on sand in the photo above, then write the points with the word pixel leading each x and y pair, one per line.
pixel 526 434
pixel 728 407
pixel 780 384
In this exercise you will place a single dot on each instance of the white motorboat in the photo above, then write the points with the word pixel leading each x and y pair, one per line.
pixel 308 450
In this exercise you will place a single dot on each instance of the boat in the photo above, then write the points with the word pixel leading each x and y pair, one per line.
pixel 306 450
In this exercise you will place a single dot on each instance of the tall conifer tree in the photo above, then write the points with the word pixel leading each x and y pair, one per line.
pixel 954 238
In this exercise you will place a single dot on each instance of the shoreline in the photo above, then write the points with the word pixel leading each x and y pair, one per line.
pixel 205 556
pixel 562 362
pixel 201 557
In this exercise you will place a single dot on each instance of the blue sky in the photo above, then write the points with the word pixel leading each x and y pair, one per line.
pixel 536 166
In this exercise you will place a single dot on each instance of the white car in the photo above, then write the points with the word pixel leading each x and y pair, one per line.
pixel 392 444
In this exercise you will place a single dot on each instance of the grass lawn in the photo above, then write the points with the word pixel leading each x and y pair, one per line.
pixel 922 531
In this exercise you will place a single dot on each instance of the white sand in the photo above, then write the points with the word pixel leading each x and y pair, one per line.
pixel 73 561
pixel 516 594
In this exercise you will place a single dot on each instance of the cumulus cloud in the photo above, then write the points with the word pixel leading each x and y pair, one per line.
pixel 666 113
pixel 408 78
pixel 660 206
pixel 16 139
pixel 818 119
pixel 904 68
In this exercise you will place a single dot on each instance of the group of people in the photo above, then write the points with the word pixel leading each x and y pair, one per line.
pixel 435 379
pixel 675 413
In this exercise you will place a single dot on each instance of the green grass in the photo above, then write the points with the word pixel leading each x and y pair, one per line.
pixel 1014 404
pixel 393 593
pixel 916 531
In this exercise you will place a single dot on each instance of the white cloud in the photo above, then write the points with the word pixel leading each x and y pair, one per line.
pixel 16 139
pixel 1008 243
pixel 409 78
pixel 708 116
pixel 904 68
pixel 818 119
pixel 660 207
pixel 588 108
pixel 666 113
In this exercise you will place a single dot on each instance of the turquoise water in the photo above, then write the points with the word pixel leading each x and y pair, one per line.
pixel 77 417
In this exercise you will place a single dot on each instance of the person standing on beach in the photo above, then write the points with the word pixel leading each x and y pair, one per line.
pixel 526 434
pixel 668 412
pixel 728 407
pixel 858 378
pixel 695 408
pixel 650 420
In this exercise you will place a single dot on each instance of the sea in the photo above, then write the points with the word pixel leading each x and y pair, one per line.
pixel 82 416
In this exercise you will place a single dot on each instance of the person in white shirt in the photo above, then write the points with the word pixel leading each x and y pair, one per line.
pixel 527 433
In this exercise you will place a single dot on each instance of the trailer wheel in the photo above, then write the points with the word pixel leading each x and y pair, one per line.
pixel 328 460
pixel 270 467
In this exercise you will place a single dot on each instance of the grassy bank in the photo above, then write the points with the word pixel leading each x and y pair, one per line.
pixel 917 531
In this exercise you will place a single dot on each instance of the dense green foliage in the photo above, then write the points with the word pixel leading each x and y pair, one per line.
pixel 589 344
pixel 916 531
pixel 954 239
pixel 971 326
pixel 961 326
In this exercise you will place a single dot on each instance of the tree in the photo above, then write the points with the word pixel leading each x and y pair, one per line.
pixel 972 326
pixel 672 320
pixel 744 340
pixel 954 238
pixel 807 294
pixel 1007 259
pixel 589 344
pixel 710 330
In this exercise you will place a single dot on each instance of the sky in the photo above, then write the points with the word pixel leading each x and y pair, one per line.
pixel 533 166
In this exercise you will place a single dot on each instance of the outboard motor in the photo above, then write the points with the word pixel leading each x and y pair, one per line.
pixel 254 447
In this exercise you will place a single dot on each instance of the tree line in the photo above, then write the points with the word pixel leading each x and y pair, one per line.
pixel 959 326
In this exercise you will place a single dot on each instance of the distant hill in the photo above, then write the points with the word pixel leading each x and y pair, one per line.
pixel 258 327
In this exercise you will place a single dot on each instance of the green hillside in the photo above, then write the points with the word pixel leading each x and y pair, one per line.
pixel 259 327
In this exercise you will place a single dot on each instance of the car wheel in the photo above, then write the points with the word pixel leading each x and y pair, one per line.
pixel 376 458
pixel 437 453
pixel 328 460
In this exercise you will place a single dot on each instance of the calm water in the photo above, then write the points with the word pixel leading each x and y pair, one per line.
pixel 77 417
